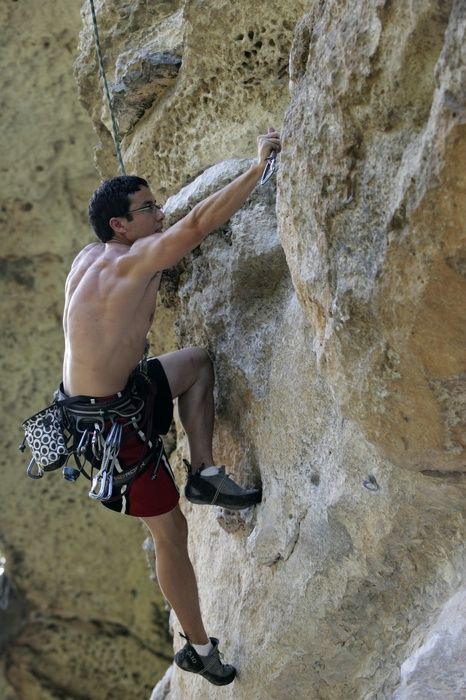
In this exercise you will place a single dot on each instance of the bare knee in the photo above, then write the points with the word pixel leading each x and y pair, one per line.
pixel 202 367
pixel 180 535
pixel 186 367
pixel 201 361
pixel 170 529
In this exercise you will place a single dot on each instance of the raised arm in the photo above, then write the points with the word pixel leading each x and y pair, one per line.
pixel 167 249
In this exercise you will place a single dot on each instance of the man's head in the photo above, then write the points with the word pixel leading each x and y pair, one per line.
pixel 112 209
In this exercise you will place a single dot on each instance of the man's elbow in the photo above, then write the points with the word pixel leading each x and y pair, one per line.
pixel 172 247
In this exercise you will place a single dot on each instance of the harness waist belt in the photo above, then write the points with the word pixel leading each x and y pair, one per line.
pixel 123 403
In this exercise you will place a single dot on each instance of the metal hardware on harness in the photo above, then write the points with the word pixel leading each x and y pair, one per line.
pixel 70 473
pixel 96 442
pixel 83 442
pixel 34 474
pixel 102 483
pixel 269 168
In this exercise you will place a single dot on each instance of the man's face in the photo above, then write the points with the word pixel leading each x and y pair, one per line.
pixel 147 219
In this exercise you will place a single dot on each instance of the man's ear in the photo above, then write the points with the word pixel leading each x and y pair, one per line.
pixel 117 225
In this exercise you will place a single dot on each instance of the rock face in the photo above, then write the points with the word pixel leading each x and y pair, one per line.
pixel 80 596
pixel 335 322
pixel 436 669
pixel 232 79
pixel 381 126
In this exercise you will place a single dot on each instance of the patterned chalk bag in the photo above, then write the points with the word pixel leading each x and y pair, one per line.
pixel 47 437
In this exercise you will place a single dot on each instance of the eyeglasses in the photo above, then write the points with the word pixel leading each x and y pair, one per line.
pixel 147 207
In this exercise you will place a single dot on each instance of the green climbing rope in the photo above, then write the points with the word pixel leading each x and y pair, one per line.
pixel 115 132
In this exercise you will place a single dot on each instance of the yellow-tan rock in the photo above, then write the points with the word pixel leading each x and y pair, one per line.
pixel 80 597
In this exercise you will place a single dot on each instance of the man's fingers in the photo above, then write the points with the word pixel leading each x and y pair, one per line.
pixel 271 134
pixel 274 143
pixel 268 144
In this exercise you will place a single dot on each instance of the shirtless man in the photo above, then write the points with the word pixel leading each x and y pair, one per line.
pixel 109 307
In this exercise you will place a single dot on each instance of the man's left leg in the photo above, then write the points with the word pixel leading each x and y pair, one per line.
pixel 190 376
pixel 191 379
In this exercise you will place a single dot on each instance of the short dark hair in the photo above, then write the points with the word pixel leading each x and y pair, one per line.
pixel 111 199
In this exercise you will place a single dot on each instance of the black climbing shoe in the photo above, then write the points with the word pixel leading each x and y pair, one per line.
pixel 210 667
pixel 219 490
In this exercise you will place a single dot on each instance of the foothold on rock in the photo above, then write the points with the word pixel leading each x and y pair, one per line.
pixel 370 483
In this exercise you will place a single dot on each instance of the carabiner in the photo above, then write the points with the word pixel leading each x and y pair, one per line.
pixel 83 442
pixel 269 168
pixel 96 442
pixel 32 473
pixel 104 481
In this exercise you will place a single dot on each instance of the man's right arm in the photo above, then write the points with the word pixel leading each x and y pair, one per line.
pixel 168 248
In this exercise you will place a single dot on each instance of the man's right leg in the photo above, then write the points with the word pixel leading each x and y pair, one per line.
pixel 175 572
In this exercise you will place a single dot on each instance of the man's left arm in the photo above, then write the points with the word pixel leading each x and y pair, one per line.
pixel 147 255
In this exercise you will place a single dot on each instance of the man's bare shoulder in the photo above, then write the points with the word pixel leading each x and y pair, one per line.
pixel 91 249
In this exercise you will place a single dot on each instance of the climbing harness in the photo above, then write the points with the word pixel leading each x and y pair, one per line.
pixel 269 168
pixel 115 130
pixel 92 430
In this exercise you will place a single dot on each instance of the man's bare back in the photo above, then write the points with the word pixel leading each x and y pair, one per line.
pixel 106 321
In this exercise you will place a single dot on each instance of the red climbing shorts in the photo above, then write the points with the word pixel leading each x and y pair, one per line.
pixel 146 496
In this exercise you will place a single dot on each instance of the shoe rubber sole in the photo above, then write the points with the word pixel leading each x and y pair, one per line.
pixel 227 506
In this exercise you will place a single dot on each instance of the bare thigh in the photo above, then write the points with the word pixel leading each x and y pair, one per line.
pixel 184 367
